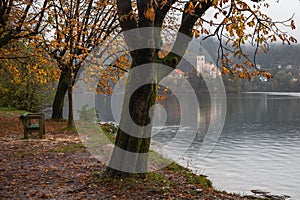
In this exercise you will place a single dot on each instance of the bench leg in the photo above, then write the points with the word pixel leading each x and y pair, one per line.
pixel 25 133
pixel 41 134
pixel 42 127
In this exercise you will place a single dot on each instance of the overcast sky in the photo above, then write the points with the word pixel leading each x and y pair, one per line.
pixel 284 9
pixel 279 10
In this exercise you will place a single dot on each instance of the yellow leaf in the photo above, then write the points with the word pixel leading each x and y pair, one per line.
pixel 197 33
pixel 150 14
pixel 268 75
pixel 190 8
pixel 225 70
pixel 163 3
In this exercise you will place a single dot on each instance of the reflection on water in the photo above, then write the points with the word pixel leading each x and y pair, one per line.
pixel 259 147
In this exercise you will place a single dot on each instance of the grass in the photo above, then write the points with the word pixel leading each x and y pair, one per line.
pixel 190 176
pixel 106 129
pixel 12 110
pixel 69 148
pixel 26 152
pixel 154 182
pixel 172 179
pixel 69 129
pixel 7 109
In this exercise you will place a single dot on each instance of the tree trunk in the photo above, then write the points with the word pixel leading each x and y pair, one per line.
pixel 133 142
pixel 62 88
pixel 71 123
pixel 121 164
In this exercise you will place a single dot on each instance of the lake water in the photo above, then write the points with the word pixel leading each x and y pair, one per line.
pixel 259 147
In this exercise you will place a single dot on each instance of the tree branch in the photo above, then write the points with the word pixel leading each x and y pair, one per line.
pixel 126 16
pixel 187 23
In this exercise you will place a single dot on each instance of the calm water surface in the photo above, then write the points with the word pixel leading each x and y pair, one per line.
pixel 259 147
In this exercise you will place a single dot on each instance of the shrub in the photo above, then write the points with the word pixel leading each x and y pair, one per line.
pixel 88 114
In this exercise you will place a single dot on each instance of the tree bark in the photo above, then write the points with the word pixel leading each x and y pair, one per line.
pixel 71 123
pixel 62 88
pixel 139 108
pixel 140 103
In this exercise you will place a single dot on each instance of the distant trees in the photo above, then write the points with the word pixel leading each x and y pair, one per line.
pixel 284 80
pixel 277 54
pixel 276 60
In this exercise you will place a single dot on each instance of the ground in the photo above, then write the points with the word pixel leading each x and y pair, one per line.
pixel 59 167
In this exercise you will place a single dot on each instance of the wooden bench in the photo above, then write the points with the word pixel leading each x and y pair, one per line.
pixel 29 126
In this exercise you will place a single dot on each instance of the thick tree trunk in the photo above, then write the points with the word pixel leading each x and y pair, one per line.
pixel 122 164
pixel 62 88
pixel 133 142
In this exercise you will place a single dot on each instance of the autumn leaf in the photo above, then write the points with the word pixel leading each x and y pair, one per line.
pixel 225 70
pixel 196 33
pixel 292 39
pixel 164 3
pixel 267 75
pixel 150 14
pixel 250 24
pixel 190 8
pixel 293 24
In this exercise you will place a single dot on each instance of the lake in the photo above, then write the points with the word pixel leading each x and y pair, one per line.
pixel 259 146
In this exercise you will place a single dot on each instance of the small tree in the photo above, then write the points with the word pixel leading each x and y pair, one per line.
pixel 75 28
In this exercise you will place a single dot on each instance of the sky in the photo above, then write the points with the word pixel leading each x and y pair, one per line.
pixel 283 10
pixel 278 10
